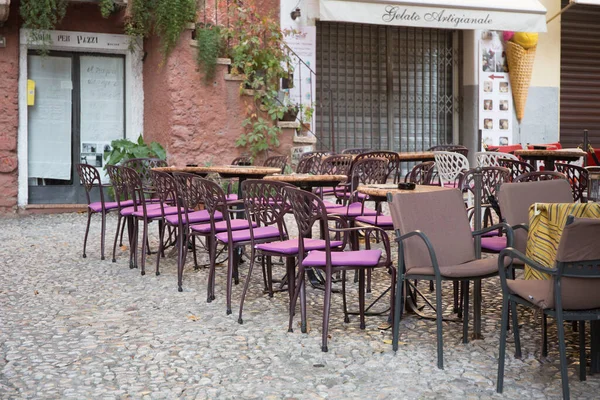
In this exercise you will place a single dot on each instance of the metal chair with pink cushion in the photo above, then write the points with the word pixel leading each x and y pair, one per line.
pixel 90 178
pixel 308 209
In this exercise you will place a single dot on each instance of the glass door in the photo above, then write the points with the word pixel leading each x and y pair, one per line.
pixel 79 108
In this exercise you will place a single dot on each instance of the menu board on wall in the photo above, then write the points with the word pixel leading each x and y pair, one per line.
pixel 495 100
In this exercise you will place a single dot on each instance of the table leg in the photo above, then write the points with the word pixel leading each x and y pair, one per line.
pixel 549 164
pixel 476 310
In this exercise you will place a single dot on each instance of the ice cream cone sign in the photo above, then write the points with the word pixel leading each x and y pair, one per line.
pixel 520 55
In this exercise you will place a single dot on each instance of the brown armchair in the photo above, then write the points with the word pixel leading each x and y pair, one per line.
pixel 571 293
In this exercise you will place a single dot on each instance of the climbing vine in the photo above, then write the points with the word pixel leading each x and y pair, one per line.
pixel 41 17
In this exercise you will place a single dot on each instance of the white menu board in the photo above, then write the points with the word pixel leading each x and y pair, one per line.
pixel 495 100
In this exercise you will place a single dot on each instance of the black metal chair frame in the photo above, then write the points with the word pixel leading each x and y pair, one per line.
pixel 517 168
pixel 276 162
pixel 539 176
pixel 578 179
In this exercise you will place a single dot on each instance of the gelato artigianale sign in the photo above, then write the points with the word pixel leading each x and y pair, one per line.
pixel 443 16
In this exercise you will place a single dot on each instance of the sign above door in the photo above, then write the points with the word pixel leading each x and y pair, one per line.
pixel 79 40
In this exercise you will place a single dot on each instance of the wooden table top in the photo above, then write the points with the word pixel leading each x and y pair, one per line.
pixel 416 156
pixel 224 169
pixel 293 178
pixel 569 153
pixel 383 189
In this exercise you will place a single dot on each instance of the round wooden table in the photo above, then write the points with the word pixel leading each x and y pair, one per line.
pixel 416 156
pixel 308 181
pixel 381 191
pixel 550 156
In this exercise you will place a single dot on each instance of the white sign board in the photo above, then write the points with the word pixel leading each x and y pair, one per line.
pixel 495 100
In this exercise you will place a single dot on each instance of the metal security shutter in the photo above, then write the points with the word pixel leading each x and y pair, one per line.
pixel 580 75
pixel 391 87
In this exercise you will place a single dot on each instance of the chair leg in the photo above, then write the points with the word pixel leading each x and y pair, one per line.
pixel 303 323
pixel 397 311
pixel 326 309
pixel 582 362
pixel 212 256
pixel 440 340
pixel 114 259
pixel 270 276
pixel 230 266
pixel 194 252
pixel 299 285
pixel 563 353
pixel 246 284
pixel 544 335
pixel 145 246
pixel 456 308
pixel 161 234
pixel 102 234
pixel 361 297
pixel 87 230
pixel 344 300
pixel 465 289
pixel 515 321
pixel 134 242
pixel 502 351
pixel 180 262
pixel 121 240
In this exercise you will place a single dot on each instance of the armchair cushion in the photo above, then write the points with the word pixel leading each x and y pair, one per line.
pixel 357 258
pixel 195 217
pixel 290 246
pixel 156 212
pixel 221 226
pixel 352 210
pixel 127 211
pixel 493 243
pixel 108 205
pixel 383 221
pixel 577 293
pixel 471 269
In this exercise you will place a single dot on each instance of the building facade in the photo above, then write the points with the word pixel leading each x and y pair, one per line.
pixel 390 82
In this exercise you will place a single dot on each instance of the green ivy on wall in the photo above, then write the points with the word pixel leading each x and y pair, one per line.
pixel 42 16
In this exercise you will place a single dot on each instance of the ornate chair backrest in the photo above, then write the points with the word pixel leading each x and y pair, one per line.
pixel 143 166
pixel 449 165
pixel 265 202
pixel 276 162
pixel 491 158
pixel 355 151
pixel 369 171
pixel 308 208
pixel 115 174
pixel 188 193
pixel 517 167
pixel 421 174
pixel 134 187
pixel 539 176
pixel 244 160
pixel 393 158
pixel 491 179
pixel 578 179
pixel 336 165
pixel 306 165
pixel 90 178
pixel 214 199
pixel 164 189
pixel 457 148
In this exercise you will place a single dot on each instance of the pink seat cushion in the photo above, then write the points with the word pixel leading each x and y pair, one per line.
pixel 262 232
pixel 156 212
pixel 493 243
pixel 379 220
pixel 127 211
pixel 359 258
pixel 290 246
pixel 195 217
pixel 347 195
pixel 331 204
pixel 231 197
pixel 97 206
pixel 353 210
pixel 221 226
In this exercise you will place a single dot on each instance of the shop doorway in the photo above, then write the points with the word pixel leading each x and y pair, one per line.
pixel 392 88
pixel 77 109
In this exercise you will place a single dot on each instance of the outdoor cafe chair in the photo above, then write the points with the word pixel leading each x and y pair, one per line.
pixel 517 167
pixel 145 211
pixel 515 199
pixel 266 204
pixel 572 292
pixel 335 165
pixel 578 179
pixel 309 209
pixel 232 233
pixel 450 165
pixel 310 162
pixel 143 166
pixel 276 162
pixel 244 160
pixel 393 166
pixel 435 242
pixel 539 176
pixel 422 174
pixel 492 158
pixel 90 179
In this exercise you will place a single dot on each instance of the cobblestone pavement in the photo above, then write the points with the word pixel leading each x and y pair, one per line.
pixel 83 328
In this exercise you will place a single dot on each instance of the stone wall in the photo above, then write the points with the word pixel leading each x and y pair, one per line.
pixel 9 112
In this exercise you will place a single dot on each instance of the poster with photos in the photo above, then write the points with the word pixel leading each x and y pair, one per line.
pixel 92 153
pixel 495 100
